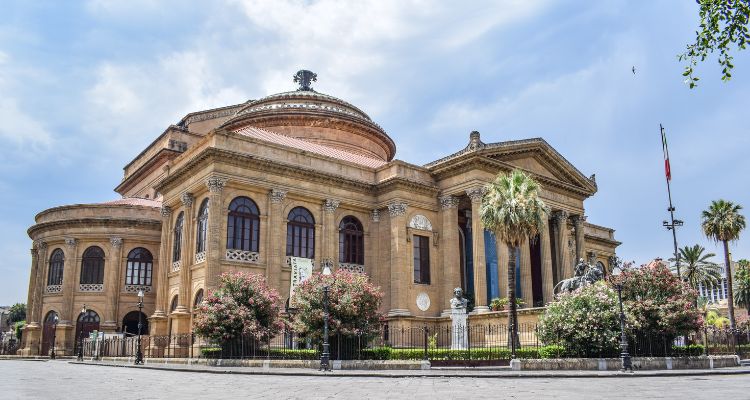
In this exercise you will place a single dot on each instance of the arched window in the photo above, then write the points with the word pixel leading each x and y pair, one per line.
pixel 87 323
pixel 56 266
pixel 351 241
pixel 300 233
pixel 92 266
pixel 200 245
pixel 140 264
pixel 177 246
pixel 130 323
pixel 173 304
pixel 243 225
pixel 198 298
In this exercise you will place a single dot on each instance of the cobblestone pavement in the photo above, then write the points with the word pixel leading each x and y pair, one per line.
pixel 61 380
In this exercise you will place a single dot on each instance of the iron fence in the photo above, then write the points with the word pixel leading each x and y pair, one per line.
pixel 481 343
pixel 9 348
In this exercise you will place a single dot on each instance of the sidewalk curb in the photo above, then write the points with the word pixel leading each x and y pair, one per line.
pixel 440 374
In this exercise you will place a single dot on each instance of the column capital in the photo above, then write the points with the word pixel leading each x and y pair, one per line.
pixel 70 242
pixel 39 244
pixel 397 209
pixel 448 201
pixel 166 211
pixel 187 199
pixel 578 219
pixel 375 215
pixel 215 184
pixel 476 193
pixel 560 216
pixel 116 242
pixel 330 205
pixel 277 195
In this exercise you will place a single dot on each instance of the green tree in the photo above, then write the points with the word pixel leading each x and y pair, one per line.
pixel 17 312
pixel 742 285
pixel 512 210
pixel 696 267
pixel 722 222
pixel 723 25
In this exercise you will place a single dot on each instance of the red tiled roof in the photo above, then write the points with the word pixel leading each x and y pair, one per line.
pixel 289 141
pixel 134 201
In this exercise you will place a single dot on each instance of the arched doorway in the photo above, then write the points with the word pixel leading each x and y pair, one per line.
pixel 87 322
pixel 130 323
pixel 48 332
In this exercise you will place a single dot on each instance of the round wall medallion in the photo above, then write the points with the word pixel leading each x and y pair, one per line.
pixel 423 301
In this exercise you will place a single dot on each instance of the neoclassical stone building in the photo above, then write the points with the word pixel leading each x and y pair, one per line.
pixel 296 174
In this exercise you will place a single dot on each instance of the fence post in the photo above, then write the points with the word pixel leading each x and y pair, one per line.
pixel 426 338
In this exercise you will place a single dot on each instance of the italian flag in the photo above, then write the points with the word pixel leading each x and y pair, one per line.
pixel 667 169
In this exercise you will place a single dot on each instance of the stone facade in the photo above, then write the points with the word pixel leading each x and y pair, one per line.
pixel 300 161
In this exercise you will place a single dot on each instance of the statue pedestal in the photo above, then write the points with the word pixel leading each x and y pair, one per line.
pixel 460 338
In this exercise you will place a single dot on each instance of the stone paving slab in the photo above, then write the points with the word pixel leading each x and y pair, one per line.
pixel 435 372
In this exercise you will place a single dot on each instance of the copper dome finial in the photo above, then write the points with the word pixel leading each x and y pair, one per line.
pixel 305 78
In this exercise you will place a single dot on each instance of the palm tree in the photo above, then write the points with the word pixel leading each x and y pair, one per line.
pixel 512 210
pixel 696 267
pixel 722 222
pixel 742 285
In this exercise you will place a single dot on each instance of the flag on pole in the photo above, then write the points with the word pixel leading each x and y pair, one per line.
pixel 667 169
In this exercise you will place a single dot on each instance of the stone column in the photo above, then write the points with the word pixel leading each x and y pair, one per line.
pixel 564 270
pixel 111 286
pixel 188 258
pixel 276 238
pixel 548 283
pixel 399 267
pixel 214 234
pixel 527 289
pixel 449 250
pixel 42 266
pixel 578 221
pixel 502 267
pixel 69 282
pixel 330 230
pixel 31 336
pixel 33 282
pixel 477 242
pixel 158 320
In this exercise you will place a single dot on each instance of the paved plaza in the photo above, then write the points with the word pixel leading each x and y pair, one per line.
pixel 62 380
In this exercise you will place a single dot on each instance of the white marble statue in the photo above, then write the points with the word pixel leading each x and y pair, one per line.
pixel 458 318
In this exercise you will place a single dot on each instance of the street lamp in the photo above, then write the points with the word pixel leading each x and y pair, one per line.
pixel 138 352
pixel 80 335
pixel 626 364
pixel 54 336
pixel 325 358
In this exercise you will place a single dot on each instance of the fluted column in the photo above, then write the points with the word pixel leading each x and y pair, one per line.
pixel 165 263
pixel 398 266
pixel 330 241
pixel 548 283
pixel 527 288
pixel 276 242
pixel 449 250
pixel 477 242
pixel 33 282
pixel 42 265
pixel 215 212
pixel 578 221
pixel 69 281
pixel 188 254
pixel 111 287
pixel 561 241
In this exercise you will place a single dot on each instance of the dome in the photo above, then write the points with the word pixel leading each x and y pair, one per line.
pixel 318 118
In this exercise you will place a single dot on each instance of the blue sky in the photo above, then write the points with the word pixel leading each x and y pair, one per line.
pixel 85 86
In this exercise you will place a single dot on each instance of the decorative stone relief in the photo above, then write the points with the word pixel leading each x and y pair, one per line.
pixel 91 287
pixel 200 257
pixel 353 268
pixel 136 288
pixel 419 221
pixel 166 211
pixel 215 184
pixel 116 242
pixel 277 195
pixel 52 289
pixel 40 244
pixel 560 216
pixel 423 301
pixel 448 201
pixel 330 205
pixel 475 143
pixel 187 199
pixel 242 256
pixel 375 215
pixel 70 242
pixel 476 193
pixel 397 209
pixel 176 266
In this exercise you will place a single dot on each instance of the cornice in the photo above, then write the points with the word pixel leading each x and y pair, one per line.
pixel 132 179
pixel 153 224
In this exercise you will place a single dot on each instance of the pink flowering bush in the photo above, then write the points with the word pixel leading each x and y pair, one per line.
pixel 353 305
pixel 658 302
pixel 242 305
pixel 584 322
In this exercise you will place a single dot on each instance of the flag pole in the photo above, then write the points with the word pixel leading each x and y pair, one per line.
pixel 674 223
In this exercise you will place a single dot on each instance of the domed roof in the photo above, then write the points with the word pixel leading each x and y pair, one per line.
pixel 315 115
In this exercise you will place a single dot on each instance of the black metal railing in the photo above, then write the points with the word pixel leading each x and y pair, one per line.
pixel 9 348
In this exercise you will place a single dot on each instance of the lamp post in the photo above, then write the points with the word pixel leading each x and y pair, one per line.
pixel 626 364
pixel 325 357
pixel 138 352
pixel 80 334
pixel 54 336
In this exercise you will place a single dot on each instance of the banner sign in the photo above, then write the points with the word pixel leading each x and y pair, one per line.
pixel 301 270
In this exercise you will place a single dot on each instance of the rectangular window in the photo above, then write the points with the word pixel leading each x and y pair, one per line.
pixel 421 259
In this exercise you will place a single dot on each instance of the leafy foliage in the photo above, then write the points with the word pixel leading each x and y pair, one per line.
pixel 723 23
pixel 17 312
pixel 243 305
pixel 353 305
pixel 499 304
pixel 742 284
pixel 696 267
pixel 584 322
pixel 18 328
